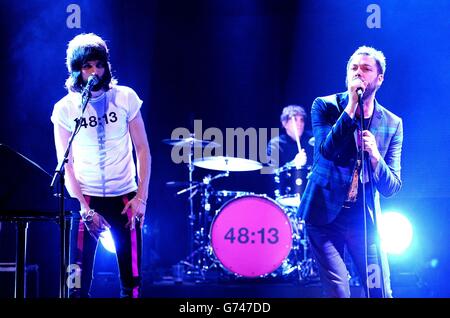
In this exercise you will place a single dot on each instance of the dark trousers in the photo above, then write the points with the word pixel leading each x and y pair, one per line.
pixel 328 243
pixel 128 244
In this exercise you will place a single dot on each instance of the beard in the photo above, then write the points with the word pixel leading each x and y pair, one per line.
pixel 102 82
pixel 99 85
pixel 370 89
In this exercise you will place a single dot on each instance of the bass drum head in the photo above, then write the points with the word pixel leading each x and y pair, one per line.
pixel 251 236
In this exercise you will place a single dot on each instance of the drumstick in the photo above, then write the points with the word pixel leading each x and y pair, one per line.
pixel 297 137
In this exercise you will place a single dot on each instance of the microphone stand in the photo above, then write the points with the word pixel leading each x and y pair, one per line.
pixel 365 161
pixel 59 176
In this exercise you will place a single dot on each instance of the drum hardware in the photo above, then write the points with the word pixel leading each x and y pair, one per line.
pixel 231 193
pixel 222 196
pixel 287 259
pixel 294 264
pixel 300 261
pixel 192 143
pixel 199 260
pixel 290 183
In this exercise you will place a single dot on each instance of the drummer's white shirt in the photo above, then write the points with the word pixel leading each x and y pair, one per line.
pixel 102 150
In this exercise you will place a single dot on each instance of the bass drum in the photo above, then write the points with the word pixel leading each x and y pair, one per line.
pixel 251 236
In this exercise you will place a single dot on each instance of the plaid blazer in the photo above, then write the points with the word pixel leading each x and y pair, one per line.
pixel 330 177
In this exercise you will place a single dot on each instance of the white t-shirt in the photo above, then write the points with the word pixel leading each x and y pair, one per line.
pixel 102 150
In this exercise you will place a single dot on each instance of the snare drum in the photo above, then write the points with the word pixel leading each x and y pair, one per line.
pixel 290 183
pixel 251 236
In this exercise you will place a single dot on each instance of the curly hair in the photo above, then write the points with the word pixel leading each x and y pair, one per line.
pixel 82 48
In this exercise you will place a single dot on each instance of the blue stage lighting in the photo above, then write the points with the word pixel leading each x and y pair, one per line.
pixel 107 241
pixel 396 232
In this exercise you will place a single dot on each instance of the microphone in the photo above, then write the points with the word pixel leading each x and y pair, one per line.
pixel 92 80
pixel 86 93
pixel 360 92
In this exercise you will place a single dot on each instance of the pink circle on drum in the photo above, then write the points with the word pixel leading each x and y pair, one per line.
pixel 251 236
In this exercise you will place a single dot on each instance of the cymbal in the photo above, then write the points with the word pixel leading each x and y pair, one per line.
pixel 311 141
pixel 190 141
pixel 222 163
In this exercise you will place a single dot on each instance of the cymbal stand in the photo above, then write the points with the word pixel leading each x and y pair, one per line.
pixel 300 262
pixel 205 219
pixel 294 262
pixel 192 193
pixel 308 268
pixel 191 168
pixel 199 256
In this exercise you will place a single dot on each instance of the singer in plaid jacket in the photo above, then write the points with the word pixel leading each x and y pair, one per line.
pixel 333 219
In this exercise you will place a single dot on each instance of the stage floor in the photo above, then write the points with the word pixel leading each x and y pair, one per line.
pixel 106 285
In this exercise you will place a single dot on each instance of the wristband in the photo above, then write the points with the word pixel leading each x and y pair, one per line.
pixel 87 216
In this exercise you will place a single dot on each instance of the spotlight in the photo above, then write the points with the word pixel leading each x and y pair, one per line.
pixel 395 232
pixel 107 241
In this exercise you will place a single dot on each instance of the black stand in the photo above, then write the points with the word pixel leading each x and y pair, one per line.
pixel 366 162
pixel 24 198
pixel 59 175
pixel 22 220
pixel 21 259
pixel 197 260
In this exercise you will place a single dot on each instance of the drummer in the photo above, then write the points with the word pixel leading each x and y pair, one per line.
pixel 293 146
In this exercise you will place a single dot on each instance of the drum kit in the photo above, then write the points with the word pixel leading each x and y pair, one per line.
pixel 242 234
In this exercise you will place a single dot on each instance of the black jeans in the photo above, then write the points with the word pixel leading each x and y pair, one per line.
pixel 328 243
pixel 128 244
